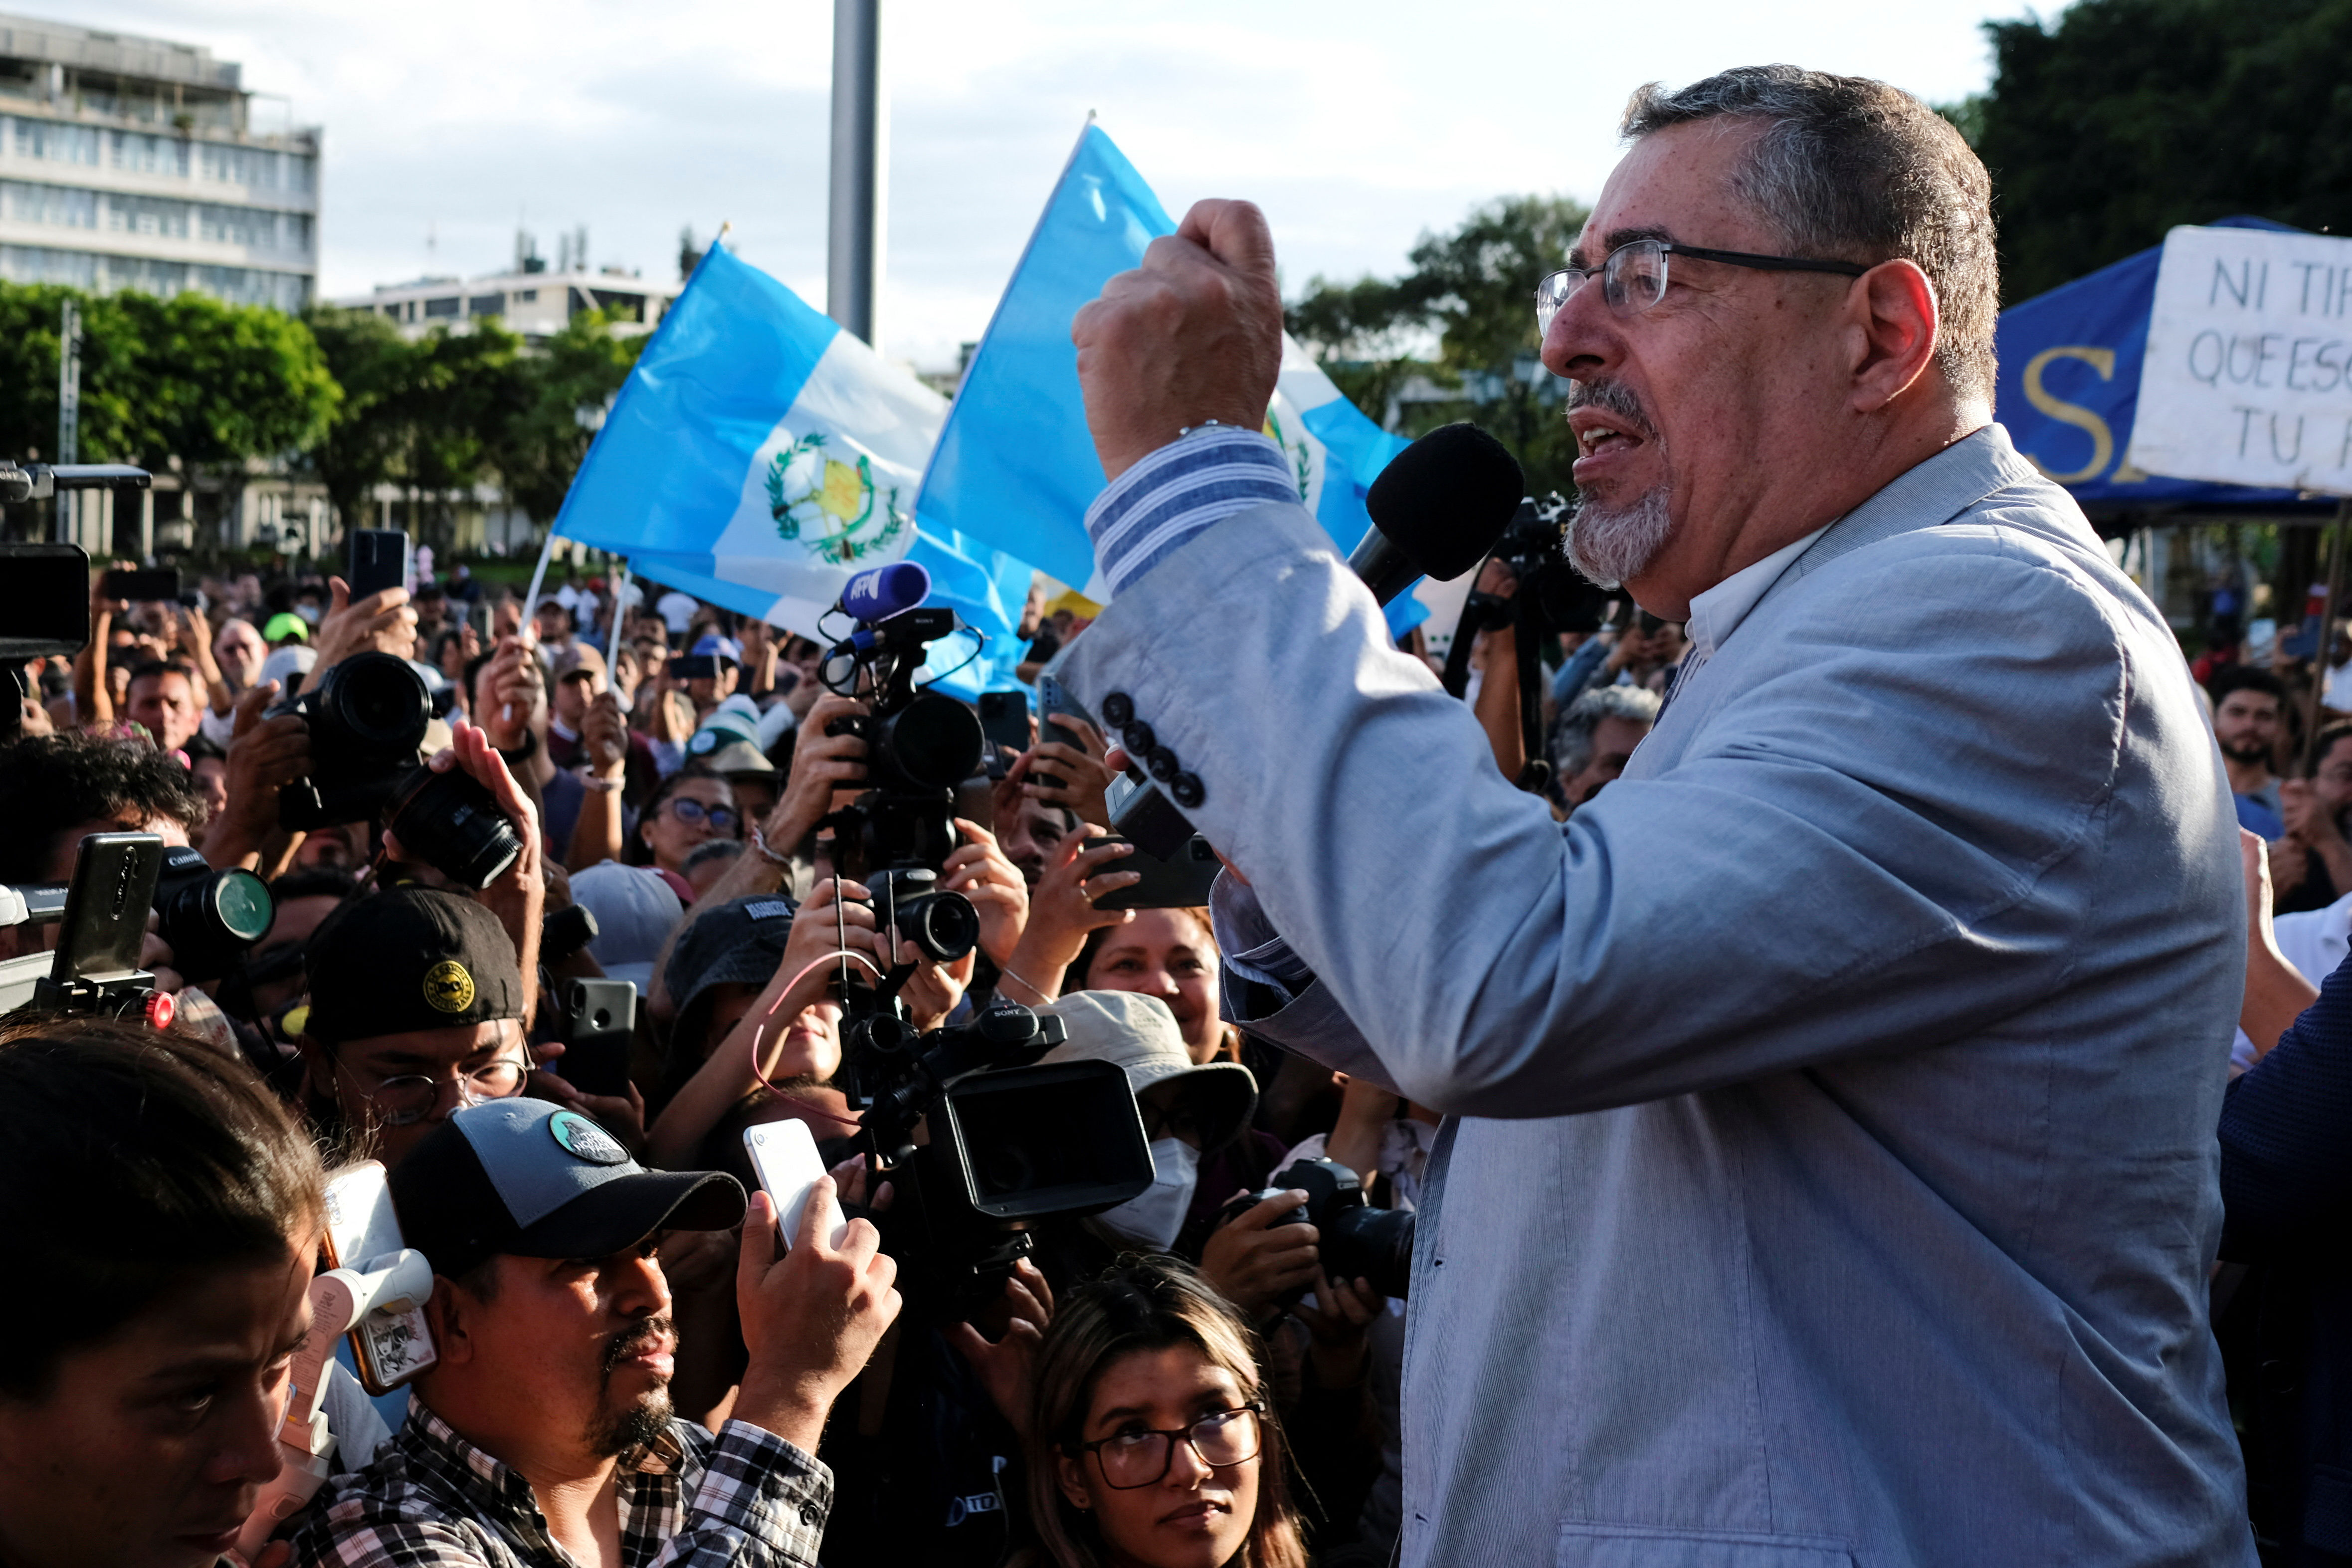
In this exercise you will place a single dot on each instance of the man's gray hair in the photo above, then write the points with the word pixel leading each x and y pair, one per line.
pixel 1571 738
pixel 1853 170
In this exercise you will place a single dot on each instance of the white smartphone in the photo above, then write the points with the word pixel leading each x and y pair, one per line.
pixel 785 1154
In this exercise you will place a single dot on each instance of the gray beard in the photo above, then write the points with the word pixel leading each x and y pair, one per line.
pixel 626 1431
pixel 1610 546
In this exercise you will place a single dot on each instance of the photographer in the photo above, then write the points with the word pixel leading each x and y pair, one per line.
pixel 163 1215
pixel 545 1433
pixel 1595 739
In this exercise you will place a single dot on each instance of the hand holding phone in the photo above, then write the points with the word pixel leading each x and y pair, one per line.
pixel 784 1157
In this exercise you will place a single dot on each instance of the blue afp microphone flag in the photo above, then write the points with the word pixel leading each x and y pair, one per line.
pixel 1014 467
pixel 758 455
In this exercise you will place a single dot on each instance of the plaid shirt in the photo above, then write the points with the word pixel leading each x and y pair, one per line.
pixel 431 1499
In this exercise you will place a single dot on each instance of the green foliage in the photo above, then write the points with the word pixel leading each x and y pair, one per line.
pixel 1473 288
pixel 211 384
pixel 2122 118
pixel 559 404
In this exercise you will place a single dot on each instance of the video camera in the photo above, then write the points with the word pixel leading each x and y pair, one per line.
pixel 1010 1142
pixel 45 588
pixel 1551 597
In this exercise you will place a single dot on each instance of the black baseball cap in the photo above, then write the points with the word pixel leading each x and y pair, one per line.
pixel 740 941
pixel 531 1179
pixel 409 959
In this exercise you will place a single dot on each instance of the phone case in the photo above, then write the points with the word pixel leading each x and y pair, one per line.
pixel 784 1155
pixel 390 1347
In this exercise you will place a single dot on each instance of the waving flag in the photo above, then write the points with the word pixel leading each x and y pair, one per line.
pixel 758 454
pixel 1016 467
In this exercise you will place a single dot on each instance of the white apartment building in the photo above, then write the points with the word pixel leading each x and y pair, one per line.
pixel 132 163
pixel 531 301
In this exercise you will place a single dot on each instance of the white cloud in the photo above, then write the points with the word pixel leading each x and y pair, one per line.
pixel 1358 125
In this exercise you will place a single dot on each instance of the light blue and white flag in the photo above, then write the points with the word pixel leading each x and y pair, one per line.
pixel 1015 466
pixel 758 454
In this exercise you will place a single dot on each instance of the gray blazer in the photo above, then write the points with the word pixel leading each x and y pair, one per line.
pixel 1830 1174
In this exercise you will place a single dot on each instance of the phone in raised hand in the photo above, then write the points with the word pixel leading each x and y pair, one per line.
pixel 784 1155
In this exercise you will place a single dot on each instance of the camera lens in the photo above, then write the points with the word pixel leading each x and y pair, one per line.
pixel 944 925
pixel 377 701
pixel 935 742
pixel 449 822
pixel 208 918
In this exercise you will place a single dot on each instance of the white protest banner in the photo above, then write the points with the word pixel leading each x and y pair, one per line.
pixel 2247 378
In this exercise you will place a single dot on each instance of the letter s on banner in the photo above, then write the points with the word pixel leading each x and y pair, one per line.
pixel 2103 441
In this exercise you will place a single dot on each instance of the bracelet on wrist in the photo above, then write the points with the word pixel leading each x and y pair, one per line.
pixel 524 752
pixel 601 785
pixel 759 844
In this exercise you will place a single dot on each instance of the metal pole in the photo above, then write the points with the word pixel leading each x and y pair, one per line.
pixel 69 509
pixel 2325 642
pixel 853 276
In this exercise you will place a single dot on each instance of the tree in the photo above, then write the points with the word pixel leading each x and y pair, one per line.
pixel 1475 288
pixel 2121 117
pixel 355 453
pixel 558 405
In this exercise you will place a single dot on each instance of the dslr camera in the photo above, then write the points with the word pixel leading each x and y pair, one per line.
pixel 1355 1240
pixel 367 718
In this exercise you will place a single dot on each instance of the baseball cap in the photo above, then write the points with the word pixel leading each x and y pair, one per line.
pixel 534 1180
pixel 409 959
pixel 726 648
pixel 1140 1036
pixel 634 910
pixel 285 624
pixel 289 660
pixel 579 658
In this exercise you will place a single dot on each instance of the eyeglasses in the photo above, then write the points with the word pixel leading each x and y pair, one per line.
pixel 1142 1457
pixel 694 814
pixel 409 1099
pixel 1633 277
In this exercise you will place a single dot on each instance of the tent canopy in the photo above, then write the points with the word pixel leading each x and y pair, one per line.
pixel 2069 386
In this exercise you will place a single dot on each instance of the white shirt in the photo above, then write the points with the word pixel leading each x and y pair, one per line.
pixel 1716 613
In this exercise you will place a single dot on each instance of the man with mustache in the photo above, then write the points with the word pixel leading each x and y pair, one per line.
pixel 1828 1174
pixel 543 1434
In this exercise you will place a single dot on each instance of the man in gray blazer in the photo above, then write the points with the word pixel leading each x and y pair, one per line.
pixel 1829 1174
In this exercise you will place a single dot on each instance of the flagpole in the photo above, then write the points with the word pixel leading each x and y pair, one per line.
pixel 620 611
pixel 538 577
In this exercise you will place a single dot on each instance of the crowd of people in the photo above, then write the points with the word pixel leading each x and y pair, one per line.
pixel 1192 1339
pixel 1174 1380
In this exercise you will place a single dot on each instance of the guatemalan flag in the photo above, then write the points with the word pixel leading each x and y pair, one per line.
pixel 1016 467
pixel 758 454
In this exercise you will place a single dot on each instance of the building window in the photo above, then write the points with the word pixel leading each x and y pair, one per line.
pixel 144 154
pixel 147 214
pixel 527 296
pixel 619 306
pixel 57 143
pixel 487 305
pixel 58 205
pixel 445 307
pixel 251 167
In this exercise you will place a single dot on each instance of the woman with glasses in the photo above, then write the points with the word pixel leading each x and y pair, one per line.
pixel 1150 1442
pixel 691 807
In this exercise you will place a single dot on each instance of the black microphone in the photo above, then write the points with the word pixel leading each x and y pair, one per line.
pixel 1437 509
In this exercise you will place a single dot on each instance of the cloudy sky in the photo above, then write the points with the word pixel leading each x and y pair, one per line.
pixel 1357 125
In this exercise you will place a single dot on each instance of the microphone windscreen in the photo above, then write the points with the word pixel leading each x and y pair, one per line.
pixel 1444 499
pixel 881 592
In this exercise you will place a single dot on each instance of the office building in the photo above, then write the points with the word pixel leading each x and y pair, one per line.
pixel 132 163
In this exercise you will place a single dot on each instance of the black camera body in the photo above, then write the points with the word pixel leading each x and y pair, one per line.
pixel 1356 1241
pixel 367 718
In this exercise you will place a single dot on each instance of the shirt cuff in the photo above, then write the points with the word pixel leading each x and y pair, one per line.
pixel 1251 947
pixel 1156 507
pixel 756 1483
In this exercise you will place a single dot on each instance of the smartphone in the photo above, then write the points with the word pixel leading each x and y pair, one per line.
pixel 362 1229
pixel 1054 698
pixel 379 561
pixel 1180 883
pixel 784 1157
pixel 603 1026
pixel 106 906
pixel 44 600
pixel 694 667
pixel 1005 722
pixel 163 586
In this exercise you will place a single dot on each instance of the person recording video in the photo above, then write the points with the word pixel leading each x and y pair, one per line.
pixel 1814 1013
pixel 164 1213
pixel 545 1433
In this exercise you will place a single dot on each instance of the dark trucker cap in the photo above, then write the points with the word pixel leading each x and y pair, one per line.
pixel 535 1179
pixel 410 959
